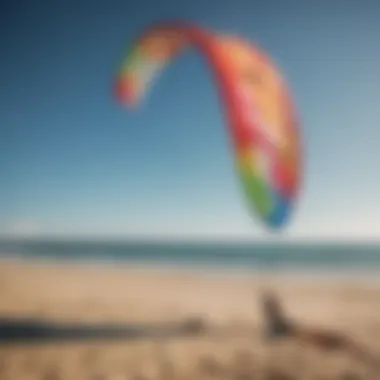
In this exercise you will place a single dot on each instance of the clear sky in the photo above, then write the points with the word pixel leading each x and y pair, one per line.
pixel 73 162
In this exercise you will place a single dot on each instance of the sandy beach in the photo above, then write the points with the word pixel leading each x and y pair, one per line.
pixel 94 294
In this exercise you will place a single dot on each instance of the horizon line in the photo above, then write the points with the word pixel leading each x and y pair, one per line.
pixel 154 239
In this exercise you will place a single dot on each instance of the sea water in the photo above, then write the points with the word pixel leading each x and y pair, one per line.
pixel 326 258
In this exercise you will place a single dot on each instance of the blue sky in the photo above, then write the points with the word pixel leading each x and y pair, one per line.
pixel 73 162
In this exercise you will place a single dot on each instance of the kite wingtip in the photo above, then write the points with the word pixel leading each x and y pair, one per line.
pixel 124 94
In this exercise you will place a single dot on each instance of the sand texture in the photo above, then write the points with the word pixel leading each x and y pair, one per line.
pixel 233 347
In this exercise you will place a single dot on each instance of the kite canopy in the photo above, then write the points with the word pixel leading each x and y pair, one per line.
pixel 257 105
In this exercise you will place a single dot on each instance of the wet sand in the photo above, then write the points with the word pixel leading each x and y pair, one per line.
pixel 229 304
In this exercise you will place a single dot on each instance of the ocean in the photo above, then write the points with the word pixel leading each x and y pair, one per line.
pixel 228 257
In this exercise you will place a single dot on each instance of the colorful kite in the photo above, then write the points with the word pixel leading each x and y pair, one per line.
pixel 257 104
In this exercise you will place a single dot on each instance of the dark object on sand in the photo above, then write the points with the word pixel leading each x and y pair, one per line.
pixel 194 325
pixel 279 326
pixel 35 331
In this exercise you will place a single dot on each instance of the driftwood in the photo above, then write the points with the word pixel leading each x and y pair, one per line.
pixel 278 325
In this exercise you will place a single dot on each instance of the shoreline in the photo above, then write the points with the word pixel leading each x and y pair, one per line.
pixel 297 274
